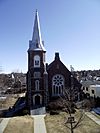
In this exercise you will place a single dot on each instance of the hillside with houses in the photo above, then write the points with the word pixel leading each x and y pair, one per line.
pixel 12 83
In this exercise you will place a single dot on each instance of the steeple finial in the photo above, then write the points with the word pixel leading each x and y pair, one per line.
pixel 36 42
pixel 36 10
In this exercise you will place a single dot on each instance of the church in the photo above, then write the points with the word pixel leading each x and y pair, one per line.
pixel 45 82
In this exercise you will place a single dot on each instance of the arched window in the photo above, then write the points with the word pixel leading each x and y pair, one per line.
pixel 37 85
pixel 36 61
pixel 57 85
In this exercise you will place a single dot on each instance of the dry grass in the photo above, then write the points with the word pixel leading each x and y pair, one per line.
pixel 23 124
pixel 9 101
pixel 55 124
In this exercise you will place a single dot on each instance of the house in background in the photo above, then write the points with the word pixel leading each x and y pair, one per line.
pixel 91 90
pixel 45 83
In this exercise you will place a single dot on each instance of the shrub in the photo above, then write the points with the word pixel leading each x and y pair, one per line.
pixel 55 105
pixel 53 112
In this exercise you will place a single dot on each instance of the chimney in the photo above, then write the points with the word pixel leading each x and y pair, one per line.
pixel 57 56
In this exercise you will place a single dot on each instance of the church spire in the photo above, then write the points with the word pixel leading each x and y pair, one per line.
pixel 36 43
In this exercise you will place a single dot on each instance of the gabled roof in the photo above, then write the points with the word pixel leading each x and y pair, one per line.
pixel 57 59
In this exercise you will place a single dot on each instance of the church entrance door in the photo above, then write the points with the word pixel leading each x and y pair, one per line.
pixel 37 100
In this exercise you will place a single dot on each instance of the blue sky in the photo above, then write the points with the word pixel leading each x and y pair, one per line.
pixel 70 27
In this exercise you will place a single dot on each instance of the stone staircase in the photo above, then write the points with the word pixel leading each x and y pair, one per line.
pixel 38 111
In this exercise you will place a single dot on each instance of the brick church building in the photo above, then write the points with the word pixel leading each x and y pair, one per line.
pixel 44 82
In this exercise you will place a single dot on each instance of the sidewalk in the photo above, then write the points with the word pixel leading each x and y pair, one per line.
pixel 93 117
pixel 39 124
pixel 3 124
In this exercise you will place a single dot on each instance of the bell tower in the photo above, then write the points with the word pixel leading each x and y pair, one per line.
pixel 36 67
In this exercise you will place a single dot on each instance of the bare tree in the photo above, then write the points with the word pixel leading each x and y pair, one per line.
pixel 69 105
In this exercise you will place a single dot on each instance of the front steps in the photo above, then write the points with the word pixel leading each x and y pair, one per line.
pixel 38 111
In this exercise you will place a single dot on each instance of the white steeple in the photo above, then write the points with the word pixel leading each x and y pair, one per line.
pixel 36 43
